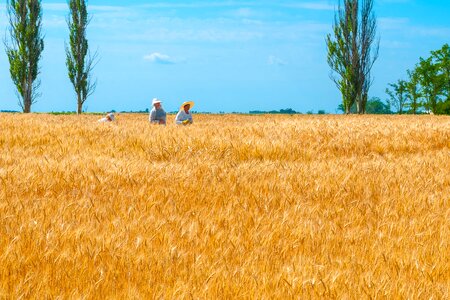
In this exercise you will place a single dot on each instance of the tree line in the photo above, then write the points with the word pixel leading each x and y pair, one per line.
pixel 352 51
pixel 427 87
pixel 25 45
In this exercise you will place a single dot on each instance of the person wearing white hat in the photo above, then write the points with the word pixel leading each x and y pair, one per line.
pixel 184 116
pixel 108 118
pixel 157 114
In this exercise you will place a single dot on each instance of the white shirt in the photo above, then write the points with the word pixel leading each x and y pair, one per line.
pixel 156 115
pixel 104 120
pixel 182 116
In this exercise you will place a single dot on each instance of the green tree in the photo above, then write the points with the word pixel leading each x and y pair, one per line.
pixel 413 92
pixel 352 51
pixel 78 59
pixel 442 60
pixel 428 85
pixel 376 106
pixel 24 48
pixel 342 109
pixel 431 83
pixel 398 95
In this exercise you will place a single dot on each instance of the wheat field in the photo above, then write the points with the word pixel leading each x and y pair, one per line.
pixel 246 207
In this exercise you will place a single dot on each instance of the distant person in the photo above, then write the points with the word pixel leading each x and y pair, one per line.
pixel 108 118
pixel 157 114
pixel 184 116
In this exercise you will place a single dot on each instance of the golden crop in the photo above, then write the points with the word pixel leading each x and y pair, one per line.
pixel 248 207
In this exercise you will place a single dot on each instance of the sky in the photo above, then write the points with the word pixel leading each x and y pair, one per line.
pixel 227 56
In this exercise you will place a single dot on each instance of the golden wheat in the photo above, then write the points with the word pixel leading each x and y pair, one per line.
pixel 249 207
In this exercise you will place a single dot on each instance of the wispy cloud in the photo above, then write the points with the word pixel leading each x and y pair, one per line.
pixel 441 32
pixel 394 1
pixel 235 21
pixel 276 61
pixel 193 4
pixel 243 12
pixel 405 26
pixel 394 44
pixel 64 7
pixel 312 5
pixel 159 58
pixel 393 23
pixel 55 14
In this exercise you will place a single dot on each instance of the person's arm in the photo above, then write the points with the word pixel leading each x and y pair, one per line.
pixel 191 120
pixel 153 116
pixel 179 118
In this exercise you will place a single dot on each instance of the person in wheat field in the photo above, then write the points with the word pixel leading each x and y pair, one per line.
pixel 108 118
pixel 184 116
pixel 157 114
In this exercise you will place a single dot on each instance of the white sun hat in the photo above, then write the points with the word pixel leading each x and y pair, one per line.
pixel 156 101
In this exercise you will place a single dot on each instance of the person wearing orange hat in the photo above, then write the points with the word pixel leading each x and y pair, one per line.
pixel 184 116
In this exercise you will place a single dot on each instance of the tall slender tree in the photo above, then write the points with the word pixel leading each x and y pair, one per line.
pixel 24 48
pixel 79 61
pixel 368 49
pixel 340 53
pixel 352 51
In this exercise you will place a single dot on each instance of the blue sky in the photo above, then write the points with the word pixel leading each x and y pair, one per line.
pixel 224 55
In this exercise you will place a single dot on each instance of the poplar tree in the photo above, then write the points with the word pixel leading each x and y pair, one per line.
pixel 352 51
pixel 24 48
pixel 78 59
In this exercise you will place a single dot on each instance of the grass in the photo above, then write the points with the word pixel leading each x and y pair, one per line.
pixel 253 207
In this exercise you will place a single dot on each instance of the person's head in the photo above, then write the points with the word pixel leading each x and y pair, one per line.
pixel 156 103
pixel 186 106
pixel 110 117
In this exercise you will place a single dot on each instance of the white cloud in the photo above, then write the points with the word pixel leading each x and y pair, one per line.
pixel 406 27
pixel 64 7
pixel 244 13
pixel 312 6
pixel 54 21
pixel 393 44
pixel 193 4
pixel 393 23
pixel 55 6
pixel 159 58
pixel 394 1
pixel 243 22
pixel 441 32
pixel 273 60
